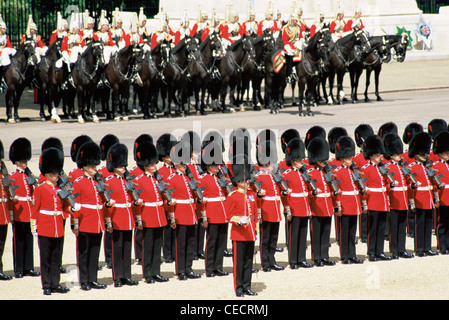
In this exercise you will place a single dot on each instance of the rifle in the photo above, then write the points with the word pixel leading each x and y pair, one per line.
pixel 7 182
pixel 432 173
pixel 329 178
pixel 193 184
pixel 253 182
pixel 276 174
pixel 384 171
pixel 101 188
pixel 30 179
pixel 307 178
pixel 358 178
pixel 406 172
pixel 162 187
pixel 223 182
pixel 130 186
pixel 66 189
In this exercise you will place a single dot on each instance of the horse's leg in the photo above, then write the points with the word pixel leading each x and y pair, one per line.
pixel 367 83
pixel 9 100
pixel 115 103
pixel 91 103
pixel 256 93
pixel 80 98
pixel 223 91
pixel 340 92
pixel 356 82
pixel 124 102
pixel 293 85
pixel 17 97
pixel 376 81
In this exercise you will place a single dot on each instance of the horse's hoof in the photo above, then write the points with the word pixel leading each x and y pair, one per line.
pixel 198 113
pixel 95 119
pixel 301 114
pixel 80 120
pixel 117 119
pixel 154 116
pixel 17 119
pixel 242 109
pixel 225 111
pixel 43 119
pixel 125 118
pixel 11 120
pixel 294 104
pixel 380 99
pixel 232 110
pixel 367 99
pixel 310 114
pixel 257 108
pixel 56 119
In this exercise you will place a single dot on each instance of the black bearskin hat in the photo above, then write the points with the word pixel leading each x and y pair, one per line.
pixel 441 142
pixel 2 151
pixel 295 150
pixel 386 128
pixel 362 132
pixel 89 154
pixel 287 136
pixel 436 126
pixel 164 144
pixel 216 136
pixel 239 142
pixel 264 135
pixel 20 150
pixel 117 157
pixel 76 145
pixel 333 136
pixel 211 154
pixel 106 142
pixel 318 150
pixel 313 132
pixel 344 147
pixel 392 145
pixel 146 153
pixel 240 168
pixel 420 144
pixel 266 153
pixel 139 140
pixel 180 152
pixel 52 142
pixel 410 130
pixel 51 161
pixel 372 145
pixel 194 141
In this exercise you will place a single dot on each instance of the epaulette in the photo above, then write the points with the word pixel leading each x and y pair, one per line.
pixel 338 168
pixel 78 179
pixel 172 175
pixel 310 170
pixel 40 183
pixel 365 166
pixel 109 177
pixel 139 176
pixel 287 171
pixel 234 191
pixel 412 164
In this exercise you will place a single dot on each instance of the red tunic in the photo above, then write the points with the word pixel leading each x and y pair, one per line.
pixel 398 195
pixel 22 208
pixel 166 171
pixel 215 205
pixel 75 174
pixel 184 209
pixel 91 215
pixel 270 203
pixel 298 199
pixel 359 160
pixel 4 204
pixel 237 205
pixel 443 168
pixel 350 198
pixel 321 204
pixel 423 194
pixel 152 210
pixel 48 211
pixel 376 197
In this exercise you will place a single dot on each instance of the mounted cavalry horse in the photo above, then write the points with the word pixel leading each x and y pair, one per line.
pixel 119 72
pixel 86 75
pixel 18 75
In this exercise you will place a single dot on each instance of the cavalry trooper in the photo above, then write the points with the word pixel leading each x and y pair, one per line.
pixel 230 31
pixel 318 25
pixel 425 197
pixel 61 31
pixel 354 22
pixel 31 33
pixel 72 44
pixel 143 28
pixel 118 33
pixel 200 25
pixel 250 26
pixel 268 24
pixel 441 148
pixel 47 220
pixel 184 29
pixel 293 40
pixel 89 221
pixel 297 207
pixel 348 203
pixel 152 213
pixel 182 215
pixel 21 207
pixel 4 212
pixel 88 32
pixel 398 196
pixel 120 218
pixel 105 35
pixel 337 26
pixel 164 144
pixel 375 201
pixel 163 33
pixel 213 214
pixel 302 23
pixel 241 209
pixel 6 49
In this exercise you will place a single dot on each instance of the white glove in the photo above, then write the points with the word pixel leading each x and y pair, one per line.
pixel 244 220
pixel 77 207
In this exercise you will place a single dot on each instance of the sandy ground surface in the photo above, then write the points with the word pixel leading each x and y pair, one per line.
pixel 415 279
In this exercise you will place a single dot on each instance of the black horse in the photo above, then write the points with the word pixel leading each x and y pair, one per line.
pixel 119 73
pixel 86 75
pixel 238 56
pixel 254 72
pixel 18 75
pixel 148 92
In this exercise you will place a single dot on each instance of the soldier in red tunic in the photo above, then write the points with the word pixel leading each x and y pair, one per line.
pixel 47 220
pixel 4 212
pixel 152 212
pixel 20 154
pixel 89 221
pixel 398 196
pixel 297 206
pixel 422 195
pixel 441 148
pixel 434 127
pixel 241 209
pixel 348 203
pixel 75 146
pixel 120 219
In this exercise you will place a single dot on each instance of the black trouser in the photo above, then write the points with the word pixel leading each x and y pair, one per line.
pixel 320 230
pixel 268 242
pixel 185 248
pixel 297 239
pixel 243 252
pixel 411 222
pixel 107 243
pixel 443 227
pixel 50 250
pixel 348 230
pixel 151 251
pixel 88 253
pixel 200 233
pixel 376 231
pixel 138 244
pixel 423 229
pixel 363 227
pixel 121 253
pixel 169 242
pixel 3 234
pixel 22 246
pixel 217 234
pixel 398 230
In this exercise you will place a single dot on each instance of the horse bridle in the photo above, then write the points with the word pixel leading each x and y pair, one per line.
pixel 92 75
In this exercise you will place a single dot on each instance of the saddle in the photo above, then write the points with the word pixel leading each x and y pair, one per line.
pixel 279 60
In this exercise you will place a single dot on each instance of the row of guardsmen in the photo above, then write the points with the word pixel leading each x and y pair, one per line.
pixel 194 190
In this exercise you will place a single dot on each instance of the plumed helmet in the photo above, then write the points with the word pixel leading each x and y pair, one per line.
pixel 2 151
pixel 410 130
pixel 420 144
pixel 392 145
pixel 239 142
pixel 146 153
pixel 117 157
pixel 372 145
pixel 333 136
pixel 318 150
pixel 344 147
pixel 106 142
pixel 264 135
pixel 20 150
pixel 89 154
pixel 51 161
pixel 295 150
